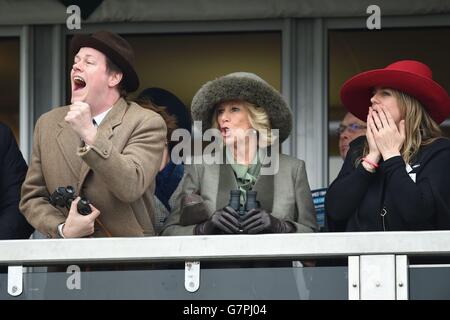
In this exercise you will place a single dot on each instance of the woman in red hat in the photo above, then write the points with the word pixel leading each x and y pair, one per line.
pixel 397 177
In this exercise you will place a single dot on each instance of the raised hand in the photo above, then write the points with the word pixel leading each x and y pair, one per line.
pixel 374 154
pixel 80 119
pixel 388 137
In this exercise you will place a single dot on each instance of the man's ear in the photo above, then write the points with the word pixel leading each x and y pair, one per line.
pixel 115 78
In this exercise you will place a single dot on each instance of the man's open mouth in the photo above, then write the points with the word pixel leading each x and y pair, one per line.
pixel 78 83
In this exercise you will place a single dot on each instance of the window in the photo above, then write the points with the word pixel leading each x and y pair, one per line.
pixel 181 63
pixel 10 82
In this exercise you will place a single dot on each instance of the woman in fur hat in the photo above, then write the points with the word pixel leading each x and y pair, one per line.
pixel 397 177
pixel 244 108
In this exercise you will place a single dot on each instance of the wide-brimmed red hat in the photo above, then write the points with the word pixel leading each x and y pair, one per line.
pixel 411 77
pixel 116 48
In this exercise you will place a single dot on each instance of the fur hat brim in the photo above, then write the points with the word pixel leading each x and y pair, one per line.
pixel 247 87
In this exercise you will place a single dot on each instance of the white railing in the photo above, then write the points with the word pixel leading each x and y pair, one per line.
pixel 377 269
pixel 235 247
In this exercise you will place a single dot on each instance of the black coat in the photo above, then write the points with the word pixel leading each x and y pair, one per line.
pixel 12 174
pixel 356 199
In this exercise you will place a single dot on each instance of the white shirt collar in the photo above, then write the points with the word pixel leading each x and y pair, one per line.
pixel 99 118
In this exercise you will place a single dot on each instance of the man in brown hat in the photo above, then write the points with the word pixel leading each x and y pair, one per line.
pixel 108 149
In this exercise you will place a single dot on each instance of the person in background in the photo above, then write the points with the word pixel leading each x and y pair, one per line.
pixel 176 116
pixel 350 128
pixel 396 177
pixel 13 169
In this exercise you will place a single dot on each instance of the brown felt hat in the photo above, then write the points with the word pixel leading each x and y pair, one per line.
pixel 116 48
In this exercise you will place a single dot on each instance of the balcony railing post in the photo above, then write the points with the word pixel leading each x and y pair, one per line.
pixel 353 278
pixel 192 275
pixel 401 275
pixel 15 280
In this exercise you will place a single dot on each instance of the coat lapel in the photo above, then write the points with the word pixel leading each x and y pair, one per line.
pixel 112 120
pixel 226 183
pixel 264 186
pixel 68 141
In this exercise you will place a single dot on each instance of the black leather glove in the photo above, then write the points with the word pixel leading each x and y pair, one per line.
pixel 193 210
pixel 261 221
pixel 225 220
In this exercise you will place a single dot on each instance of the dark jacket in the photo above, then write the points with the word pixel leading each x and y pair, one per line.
pixel 12 173
pixel 357 199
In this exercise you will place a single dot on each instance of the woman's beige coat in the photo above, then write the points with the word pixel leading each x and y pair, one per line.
pixel 286 194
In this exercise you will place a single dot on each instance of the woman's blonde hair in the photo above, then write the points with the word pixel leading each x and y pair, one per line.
pixel 258 118
pixel 420 128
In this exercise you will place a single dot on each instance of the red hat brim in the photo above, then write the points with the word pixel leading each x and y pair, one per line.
pixel 357 92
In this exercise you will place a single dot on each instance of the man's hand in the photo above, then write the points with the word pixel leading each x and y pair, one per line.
pixel 80 119
pixel 77 225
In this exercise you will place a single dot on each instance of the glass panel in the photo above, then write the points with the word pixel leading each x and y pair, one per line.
pixel 10 83
pixel 215 284
pixel 182 63
pixel 429 282
pixel 354 51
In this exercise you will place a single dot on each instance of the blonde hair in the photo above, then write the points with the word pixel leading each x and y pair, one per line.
pixel 258 118
pixel 420 128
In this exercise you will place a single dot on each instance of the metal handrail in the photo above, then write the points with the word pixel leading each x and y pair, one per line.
pixel 222 247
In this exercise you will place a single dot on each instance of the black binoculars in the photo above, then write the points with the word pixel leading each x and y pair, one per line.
pixel 250 204
pixel 63 197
